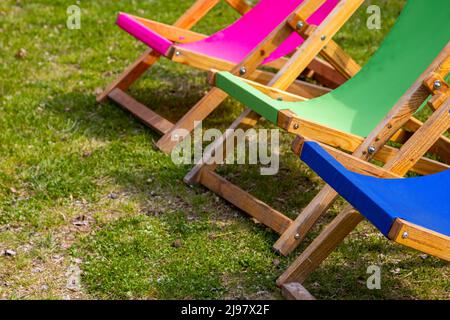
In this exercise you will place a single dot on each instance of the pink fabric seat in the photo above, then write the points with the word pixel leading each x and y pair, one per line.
pixel 235 42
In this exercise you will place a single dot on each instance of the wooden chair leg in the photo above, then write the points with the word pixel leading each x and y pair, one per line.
pixel 295 291
pixel 321 247
pixel 199 112
pixel 247 119
pixel 131 74
pixel 204 174
pixel 300 227
pixel 146 115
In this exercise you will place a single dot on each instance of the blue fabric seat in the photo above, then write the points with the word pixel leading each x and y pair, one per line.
pixel 424 201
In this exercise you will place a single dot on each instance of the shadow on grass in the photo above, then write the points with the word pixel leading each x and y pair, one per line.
pixel 221 254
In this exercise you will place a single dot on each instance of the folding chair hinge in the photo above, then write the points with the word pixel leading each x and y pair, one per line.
pixel 435 83
pixel 301 27
pixel 438 88
pixel 288 121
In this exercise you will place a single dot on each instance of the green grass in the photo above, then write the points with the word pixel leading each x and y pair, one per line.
pixel 63 156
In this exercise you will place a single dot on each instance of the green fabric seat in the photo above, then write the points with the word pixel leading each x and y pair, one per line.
pixel 357 107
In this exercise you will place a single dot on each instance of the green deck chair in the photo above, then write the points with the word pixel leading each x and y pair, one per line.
pixel 344 117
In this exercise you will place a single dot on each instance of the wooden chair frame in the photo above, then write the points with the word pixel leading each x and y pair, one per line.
pixel 409 154
pixel 397 127
pixel 337 68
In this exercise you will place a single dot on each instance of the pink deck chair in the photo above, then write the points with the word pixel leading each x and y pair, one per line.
pixel 224 50
pixel 235 42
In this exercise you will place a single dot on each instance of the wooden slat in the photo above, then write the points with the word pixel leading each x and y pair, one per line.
pixel 441 148
pixel 305 13
pixel 419 238
pixel 321 247
pixel 339 59
pixel 200 61
pixel 421 141
pixel 246 120
pixel 195 13
pixel 143 113
pixel 131 73
pixel 244 201
pixel 358 165
pixel 207 63
pixel 424 166
pixel 239 5
pixel 325 74
pixel 314 44
pixel 298 87
pixel 295 291
pixel 170 32
pixel 275 93
pixel 346 141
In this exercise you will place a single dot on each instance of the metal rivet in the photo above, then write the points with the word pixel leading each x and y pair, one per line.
pixel 243 71
pixel 323 38
pixel 371 149
pixel 405 235
pixel 177 53
pixel 297 236
pixel 300 24
pixel 296 126
pixel 437 85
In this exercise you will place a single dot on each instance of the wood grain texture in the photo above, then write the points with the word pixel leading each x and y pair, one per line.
pixel 295 291
pixel 315 43
pixel 239 5
pixel 147 116
pixel 321 247
pixel 419 238
pixel 245 201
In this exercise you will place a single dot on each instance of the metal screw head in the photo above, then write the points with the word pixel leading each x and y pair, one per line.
pixel 371 149
pixel 437 85
pixel 177 53
pixel 296 126
pixel 323 38
pixel 297 236
pixel 405 235
pixel 243 71
pixel 300 25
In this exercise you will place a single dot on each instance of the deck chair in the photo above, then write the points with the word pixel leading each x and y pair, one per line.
pixel 350 118
pixel 263 36
pixel 414 212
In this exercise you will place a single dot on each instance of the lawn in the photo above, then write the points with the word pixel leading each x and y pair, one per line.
pixel 90 209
